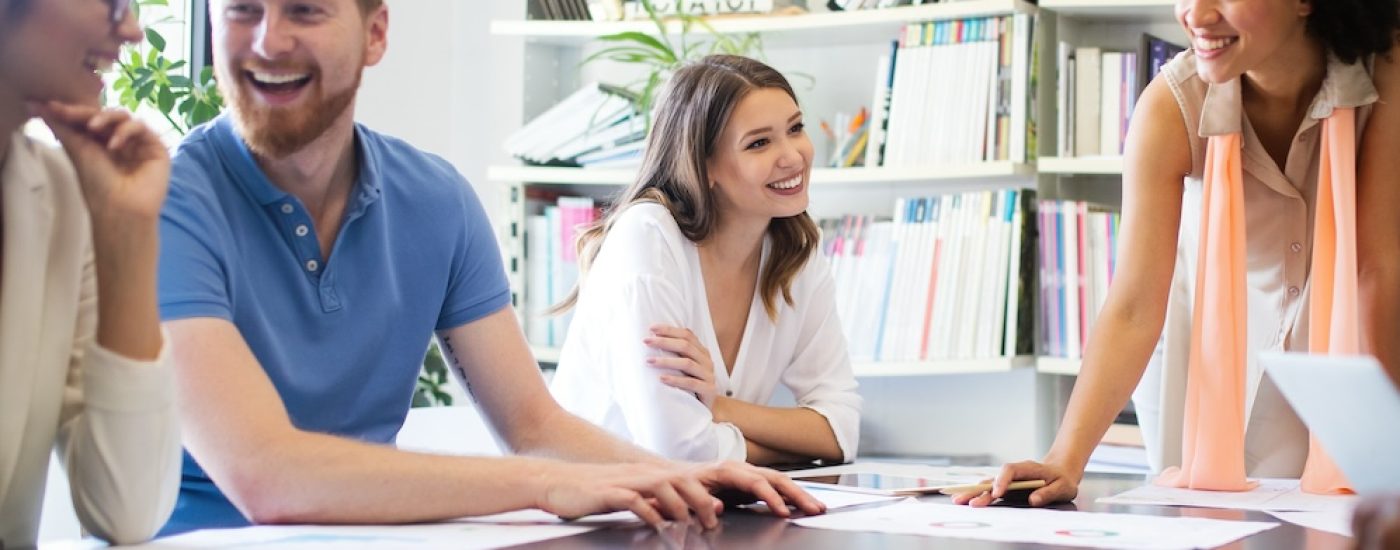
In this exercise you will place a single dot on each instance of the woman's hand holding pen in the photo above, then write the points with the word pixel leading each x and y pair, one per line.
pixel 692 359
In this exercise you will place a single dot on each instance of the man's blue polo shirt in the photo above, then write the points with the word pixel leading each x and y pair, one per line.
pixel 341 339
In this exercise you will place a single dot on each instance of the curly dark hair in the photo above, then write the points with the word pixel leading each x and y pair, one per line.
pixel 1354 29
pixel 13 9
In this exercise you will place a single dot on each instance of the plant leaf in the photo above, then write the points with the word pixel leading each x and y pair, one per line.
pixel 664 50
pixel 165 99
pixel 157 41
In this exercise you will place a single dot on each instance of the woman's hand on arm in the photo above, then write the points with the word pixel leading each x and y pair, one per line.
pixel 692 359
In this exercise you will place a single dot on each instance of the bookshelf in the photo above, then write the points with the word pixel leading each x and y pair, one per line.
pixel 1057 365
pixel 550 355
pixel 820 176
pixel 1134 10
pixel 1108 166
pixel 779 31
pixel 554 47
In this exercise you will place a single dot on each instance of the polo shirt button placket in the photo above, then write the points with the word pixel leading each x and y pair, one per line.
pixel 312 265
pixel 287 208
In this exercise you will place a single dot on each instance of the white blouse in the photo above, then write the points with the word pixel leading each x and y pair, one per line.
pixel 648 273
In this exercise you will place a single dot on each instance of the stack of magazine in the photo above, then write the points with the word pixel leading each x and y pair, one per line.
pixel 595 127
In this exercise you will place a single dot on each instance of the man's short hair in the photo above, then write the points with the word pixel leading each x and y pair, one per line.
pixel 367 6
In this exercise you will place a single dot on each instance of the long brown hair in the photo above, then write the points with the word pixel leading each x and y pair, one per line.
pixel 684 132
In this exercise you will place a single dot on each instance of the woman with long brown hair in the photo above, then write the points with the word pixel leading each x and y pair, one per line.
pixel 702 288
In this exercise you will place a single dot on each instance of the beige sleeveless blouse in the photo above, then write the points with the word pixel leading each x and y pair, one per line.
pixel 1279 209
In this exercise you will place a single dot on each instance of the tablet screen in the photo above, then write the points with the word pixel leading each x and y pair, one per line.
pixel 882 482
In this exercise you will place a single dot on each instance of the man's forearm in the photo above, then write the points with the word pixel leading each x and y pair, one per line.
pixel 315 478
pixel 571 438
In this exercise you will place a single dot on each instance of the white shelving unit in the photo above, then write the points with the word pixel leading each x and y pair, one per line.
pixel 1108 23
pixel 1081 165
pixel 812 29
pixel 545 354
pixel 952 366
pixel 887 368
pixel 1140 10
pixel 1057 365
pixel 820 176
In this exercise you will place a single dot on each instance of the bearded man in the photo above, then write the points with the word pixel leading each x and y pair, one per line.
pixel 306 260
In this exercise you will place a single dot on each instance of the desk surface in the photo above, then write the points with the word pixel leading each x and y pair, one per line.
pixel 740 529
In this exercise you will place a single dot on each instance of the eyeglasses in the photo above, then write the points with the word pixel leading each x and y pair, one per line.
pixel 119 10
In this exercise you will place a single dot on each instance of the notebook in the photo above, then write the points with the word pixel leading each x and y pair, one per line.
pixel 1353 409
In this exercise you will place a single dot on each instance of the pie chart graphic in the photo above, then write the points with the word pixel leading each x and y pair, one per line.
pixel 1086 533
pixel 959 525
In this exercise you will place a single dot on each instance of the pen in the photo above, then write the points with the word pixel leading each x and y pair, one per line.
pixel 984 487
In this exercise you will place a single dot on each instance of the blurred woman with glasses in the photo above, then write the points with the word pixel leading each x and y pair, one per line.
pixel 82 358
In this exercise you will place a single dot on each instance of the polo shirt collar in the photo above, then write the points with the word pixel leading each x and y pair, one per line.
pixel 239 160
pixel 1346 85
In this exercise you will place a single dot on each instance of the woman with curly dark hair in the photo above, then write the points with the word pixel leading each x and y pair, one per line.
pixel 84 368
pixel 1259 188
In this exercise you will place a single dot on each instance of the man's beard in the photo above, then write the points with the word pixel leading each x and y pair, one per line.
pixel 276 132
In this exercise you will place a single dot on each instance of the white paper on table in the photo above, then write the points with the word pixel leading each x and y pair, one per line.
pixel 1029 525
pixel 448 535
pixel 1271 495
pixel 1331 521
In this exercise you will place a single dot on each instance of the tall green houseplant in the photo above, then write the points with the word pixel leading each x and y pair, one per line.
pixel 149 80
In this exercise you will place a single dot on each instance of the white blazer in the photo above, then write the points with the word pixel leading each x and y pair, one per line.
pixel 111 419
pixel 648 273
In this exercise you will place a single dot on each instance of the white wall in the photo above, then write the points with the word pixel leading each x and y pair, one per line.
pixel 436 89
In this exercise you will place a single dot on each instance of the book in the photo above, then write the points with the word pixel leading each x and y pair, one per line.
pixel 1110 106
pixel 1086 101
pixel 1077 257
pixel 945 277
pixel 1153 53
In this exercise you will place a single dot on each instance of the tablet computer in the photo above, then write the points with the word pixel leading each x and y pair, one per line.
pixel 878 484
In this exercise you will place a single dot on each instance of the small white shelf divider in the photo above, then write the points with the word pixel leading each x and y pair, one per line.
pixel 946 366
pixel 920 368
pixel 820 176
pixel 545 354
pixel 1057 365
pixel 1080 165
pixel 779 31
pixel 1136 10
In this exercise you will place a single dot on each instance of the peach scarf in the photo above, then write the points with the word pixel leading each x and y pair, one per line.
pixel 1212 456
